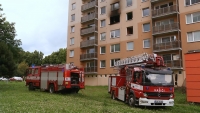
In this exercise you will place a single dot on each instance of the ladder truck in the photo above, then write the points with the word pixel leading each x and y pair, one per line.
pixel 55 78
pixel 143 80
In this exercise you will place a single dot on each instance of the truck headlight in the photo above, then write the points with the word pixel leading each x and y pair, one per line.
pixel 171 96
pixel 145 95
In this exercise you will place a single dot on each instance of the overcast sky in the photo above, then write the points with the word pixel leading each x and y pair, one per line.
pixel 40 24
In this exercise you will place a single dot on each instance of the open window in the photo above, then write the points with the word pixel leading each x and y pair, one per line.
pixel 114 19
pixel 129 30
pixel 129 16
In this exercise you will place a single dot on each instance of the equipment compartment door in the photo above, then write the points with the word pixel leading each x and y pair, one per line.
pixel 44 77
pixel 60 78
pixel 121 93
pixel 109 84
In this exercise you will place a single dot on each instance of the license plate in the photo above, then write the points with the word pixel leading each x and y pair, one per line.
pixel 158 101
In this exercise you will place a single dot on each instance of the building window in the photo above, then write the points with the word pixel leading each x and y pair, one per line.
pixel 145 12
pixel 190 2
pixel 193 36
pixel 114 6
pixel 129 30
pixel 114 19
pixel 112 62
pixel 71 41
pixel 91 50
pixel 129 16
pixel 115 33
pixel 146 27
pixel 72 29
pixel 102 64
pixel 103 10
pixel 73 17
pixel 146 43
pixel 192 18
pixel 102 50
pixel 103 36
pixel 167 57
pixel 73 6
pixel 115 48
pixel 144 0
pixel 71 53
pixel 90 64
pixel 103 23
pixel 165 39
pixel 130 45
pixel 128 2
pixel 102 0
pixel 164 22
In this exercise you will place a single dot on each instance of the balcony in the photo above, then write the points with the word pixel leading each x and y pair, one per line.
pixel 88 18
pixel 88 43
pixel 168 46
pixel 86 31
pixel 174 64
pixel 89 5
pixel 89 56
pixel 90 70
pixel 163 29
pixel 164 11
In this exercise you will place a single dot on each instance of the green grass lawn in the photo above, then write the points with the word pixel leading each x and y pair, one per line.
pixel 15 98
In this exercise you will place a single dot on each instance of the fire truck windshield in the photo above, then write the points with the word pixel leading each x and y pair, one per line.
pixel 158 79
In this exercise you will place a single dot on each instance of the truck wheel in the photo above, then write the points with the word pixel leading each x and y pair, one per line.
pixel 51 88
pixel 77 90
pixel 30 87
pixel 131 100
pixel 113 95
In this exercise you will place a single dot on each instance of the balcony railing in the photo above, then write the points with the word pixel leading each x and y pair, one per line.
pixel 88 30
pixel 153 1
pixel 167 46
pixel 90 70
pixel 165 28
pixel 164 11
pixel 88 56
pixel 88 18
pixel 89 5
pixel 174 64
pixel 88 43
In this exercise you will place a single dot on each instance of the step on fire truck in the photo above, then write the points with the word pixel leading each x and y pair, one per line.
pixel 143 80
pixel 55 78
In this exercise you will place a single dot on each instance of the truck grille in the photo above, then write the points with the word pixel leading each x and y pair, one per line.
pixel 158 94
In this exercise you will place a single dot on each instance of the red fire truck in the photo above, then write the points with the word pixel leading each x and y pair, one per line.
pixel 143 80
pixel 55 78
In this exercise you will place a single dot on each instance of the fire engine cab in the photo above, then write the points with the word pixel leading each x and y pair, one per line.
pixel 55 78
pixel 143 80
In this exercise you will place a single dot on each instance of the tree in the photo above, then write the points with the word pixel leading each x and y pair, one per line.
pixel 58 57
pixel 21 69
pixel 7 64
pixel 9 47
pixel 35 57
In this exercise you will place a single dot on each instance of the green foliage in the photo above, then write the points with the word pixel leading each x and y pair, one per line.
pixel 21 69
pixel 9 47
pixel 16 98
pixel 58 57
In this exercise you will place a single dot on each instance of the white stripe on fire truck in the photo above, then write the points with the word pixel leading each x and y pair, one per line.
pixel 136 86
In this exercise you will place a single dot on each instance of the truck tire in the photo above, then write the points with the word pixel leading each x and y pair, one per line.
pixel 131 100
pixel 30 87
pixel 51 88
pixel 113 95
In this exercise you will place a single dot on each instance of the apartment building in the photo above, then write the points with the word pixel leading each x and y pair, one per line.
pixel 101 32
